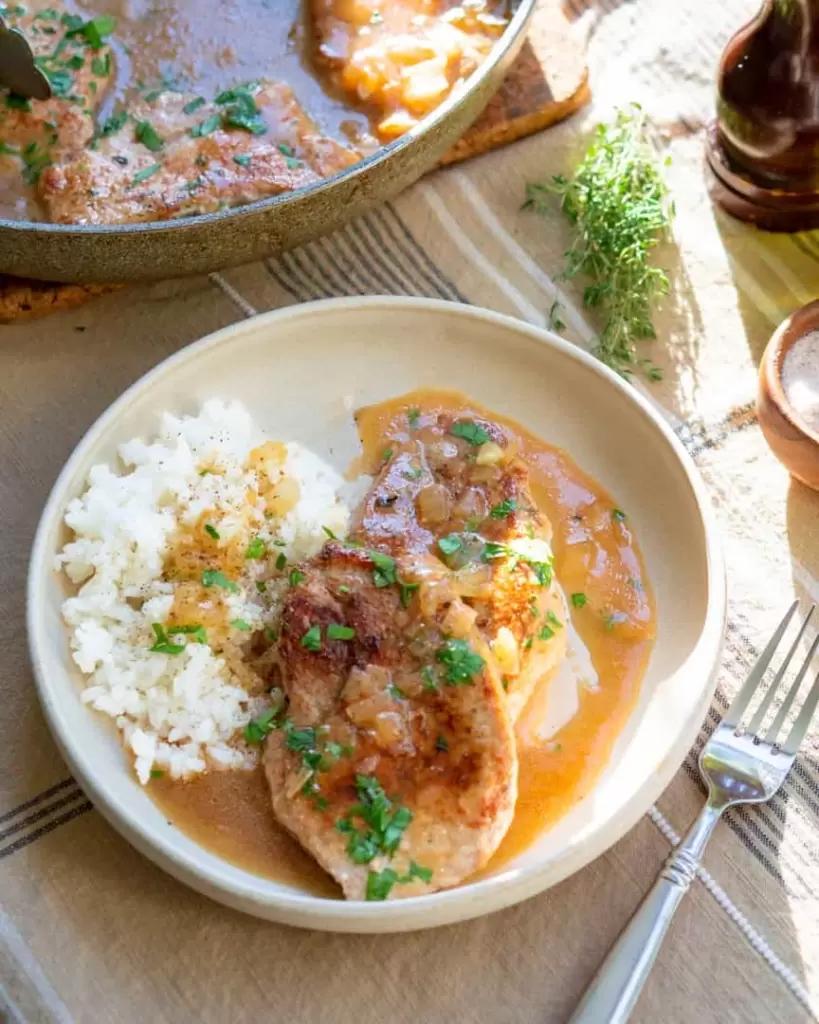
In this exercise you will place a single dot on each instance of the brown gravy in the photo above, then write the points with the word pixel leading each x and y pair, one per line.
pixel 596 555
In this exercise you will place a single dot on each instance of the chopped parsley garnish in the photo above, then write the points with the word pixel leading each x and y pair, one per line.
pixel 215 578
pixel 546 633
pixel 441 744
pixel 337 632
pixel 242 159
pixel 554 620
pixel 413 416
pixel 449 545
pixel 312 639
pixel 329 533
pixel 281 561
pixel 618 515
pixel 407 590
pixel 380 883
pixel 261 586
pixel 145 173
pixel 385 822
pixel 15 102
pixel 76 62
pixel 100 66
pixel 148 136
pixel 460 661
pixel 286 150
pixel 260 727
pixel 211 531
pixel 157 773
pixel 114 123
pixel 241 625
pixel 386 455
pixel 295 577
pixel 195 104
pixel 206 127
pixel 505 508
pixel 196 632
pixel 256 548
pixel 469 432
pixel 163 644
pixel 384 573
pixel 578 600
pixel 344 589
pixel 541 569
pixel 94 30
pixel 396 692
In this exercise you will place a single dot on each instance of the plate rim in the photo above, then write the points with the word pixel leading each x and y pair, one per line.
pixel 464 902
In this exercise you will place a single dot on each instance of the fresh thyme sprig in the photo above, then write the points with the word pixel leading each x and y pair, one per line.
pixel 619 205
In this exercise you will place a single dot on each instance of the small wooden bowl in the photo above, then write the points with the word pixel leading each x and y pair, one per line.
pixel 791 440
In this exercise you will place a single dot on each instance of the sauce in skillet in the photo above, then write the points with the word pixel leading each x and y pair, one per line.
pixel 596 556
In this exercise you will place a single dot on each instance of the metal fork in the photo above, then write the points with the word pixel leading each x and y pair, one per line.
pixel 740 767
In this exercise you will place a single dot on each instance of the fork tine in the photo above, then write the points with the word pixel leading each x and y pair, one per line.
pixel 800 726
pixel 782 714
pixel 762 710
pixel 743 698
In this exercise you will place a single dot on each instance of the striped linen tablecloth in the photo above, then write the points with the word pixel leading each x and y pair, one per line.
pixel 91 931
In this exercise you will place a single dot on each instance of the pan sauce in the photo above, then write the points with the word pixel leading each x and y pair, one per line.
pixel 596 556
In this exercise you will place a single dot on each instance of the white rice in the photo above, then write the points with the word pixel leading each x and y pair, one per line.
pixel 184 713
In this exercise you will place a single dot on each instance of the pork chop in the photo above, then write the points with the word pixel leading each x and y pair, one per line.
pixel 36 133
pixel 451 487
pixel 394 761
pixel 175 155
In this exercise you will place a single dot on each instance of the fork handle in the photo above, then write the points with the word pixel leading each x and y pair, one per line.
pixel 615 988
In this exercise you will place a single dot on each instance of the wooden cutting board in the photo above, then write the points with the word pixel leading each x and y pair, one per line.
pixel 547 83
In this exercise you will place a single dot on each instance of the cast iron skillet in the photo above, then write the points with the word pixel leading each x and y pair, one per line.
pixel 131 252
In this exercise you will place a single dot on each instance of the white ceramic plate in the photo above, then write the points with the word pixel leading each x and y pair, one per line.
pixel 297 370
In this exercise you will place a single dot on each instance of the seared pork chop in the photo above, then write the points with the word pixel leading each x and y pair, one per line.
pixel 34 134
pixel 394 761
pixel 453 489
pixel 175 156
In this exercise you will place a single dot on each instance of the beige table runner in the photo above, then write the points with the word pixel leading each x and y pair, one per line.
pixel 93 932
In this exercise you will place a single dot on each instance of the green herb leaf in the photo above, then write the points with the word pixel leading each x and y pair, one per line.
pixel 195 104
pixel 407 590
pixel 145 173
pixel 312 639
pixel 546 633
pixel 241 625
pixel 157 773
pixel 329 533
pixel 442 744
pixel 396 692
pixel 362 847
pixel 114 123
pixel 618 515
pixel 384 573
pixel 428 677
pixel 215 578
pixel 206 127
pixel 95 30
pixel 380 883
pixel 148 136
pixel 469 432
pixel 163 645
pixel 505 508
pixel 336 632
pixel 256 548
pixel 196 632
pixel 295 578
pixel 460 661
pixel 417 871
pixel 242 159
pixel 281 561
pixel 449 545
pixel 101 66
pixel 211 531
pixel 263 725
pixel 578 600
pixel 386 455
pixel 413 416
